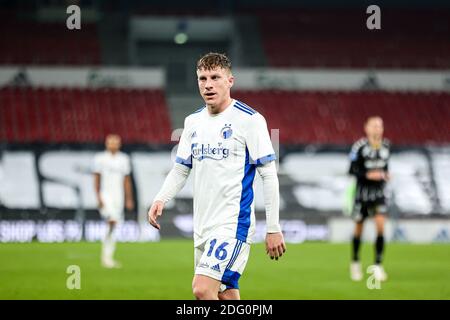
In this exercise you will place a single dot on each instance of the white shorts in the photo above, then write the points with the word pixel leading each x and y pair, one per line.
pixel 112 207
pixel 223 259
pixel 111 213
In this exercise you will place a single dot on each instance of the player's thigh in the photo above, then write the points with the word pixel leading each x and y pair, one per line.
pixel 202 283
pixel 112 214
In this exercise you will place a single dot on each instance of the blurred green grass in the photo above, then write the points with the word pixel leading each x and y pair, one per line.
pixel 164 270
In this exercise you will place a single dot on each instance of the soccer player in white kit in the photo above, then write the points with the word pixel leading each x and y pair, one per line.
pixel 223 144
pixel 112 186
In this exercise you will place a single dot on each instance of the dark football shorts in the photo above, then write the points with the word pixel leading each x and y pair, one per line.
pixel 364 210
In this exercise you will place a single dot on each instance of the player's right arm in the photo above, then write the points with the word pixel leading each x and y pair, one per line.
pixel 176 178
pixel 387 175
pixel 175 181
pixel 97 179
pixel 357 167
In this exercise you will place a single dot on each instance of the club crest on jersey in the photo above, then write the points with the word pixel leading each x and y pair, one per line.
pixel 226 131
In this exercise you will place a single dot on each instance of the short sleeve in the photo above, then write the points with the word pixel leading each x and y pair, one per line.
pixel 184 153
pixel 353 155
pixel 258 141
pixel 97 164
pixel 357 167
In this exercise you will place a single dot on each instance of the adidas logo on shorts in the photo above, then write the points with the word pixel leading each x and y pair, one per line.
pixel 216 268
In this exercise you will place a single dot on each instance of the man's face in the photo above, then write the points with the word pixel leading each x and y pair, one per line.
pixel 113 143
pixel 214 86
pixel 374 128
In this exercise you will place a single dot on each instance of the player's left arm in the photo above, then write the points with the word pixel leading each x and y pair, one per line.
pixel 263 155
pixel 128 187
pixel 97 183
pixel 275 245
pixel 96 170
pixel 129 201
pixel 387 175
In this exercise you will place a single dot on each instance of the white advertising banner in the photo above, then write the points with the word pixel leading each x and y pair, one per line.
pixel 71 231
pixel 83 77
pixel 403 230
pixel 246 79
pixel 65 180
pixel 341 79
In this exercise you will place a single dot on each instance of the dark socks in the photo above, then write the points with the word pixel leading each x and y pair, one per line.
pixel 379 247
pixel 355 247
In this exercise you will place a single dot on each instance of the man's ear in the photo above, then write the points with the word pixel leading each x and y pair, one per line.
pixel 230 80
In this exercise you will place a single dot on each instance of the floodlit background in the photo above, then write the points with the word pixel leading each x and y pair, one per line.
pixel 312 68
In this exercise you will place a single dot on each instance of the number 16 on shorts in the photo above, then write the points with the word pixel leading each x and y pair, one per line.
pixel 223 259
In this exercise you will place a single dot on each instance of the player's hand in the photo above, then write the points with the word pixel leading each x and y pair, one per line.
pixel 155 212
pixel 275 246
pixel 129 204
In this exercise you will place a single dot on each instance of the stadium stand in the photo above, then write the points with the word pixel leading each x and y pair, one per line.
pixel 86 115
pixel 303 39
pixel 83 115
pixel 337 117
pixel 27 42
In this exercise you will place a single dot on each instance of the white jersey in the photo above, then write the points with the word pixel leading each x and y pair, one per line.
pixel 112 169
pixel 223 151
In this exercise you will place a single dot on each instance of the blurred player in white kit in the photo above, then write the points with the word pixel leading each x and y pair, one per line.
pixel 112 186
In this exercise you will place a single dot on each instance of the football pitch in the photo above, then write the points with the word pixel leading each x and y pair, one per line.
pixel 164 271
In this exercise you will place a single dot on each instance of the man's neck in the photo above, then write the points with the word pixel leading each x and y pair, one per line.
pixel 214 110
pixel 375 143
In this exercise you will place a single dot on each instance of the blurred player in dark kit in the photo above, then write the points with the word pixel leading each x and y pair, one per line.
pixel 369 164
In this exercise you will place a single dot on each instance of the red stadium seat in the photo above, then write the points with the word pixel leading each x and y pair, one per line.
pixel 83 115
pixel 29 43
pixel 321 38
pixel 338 117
